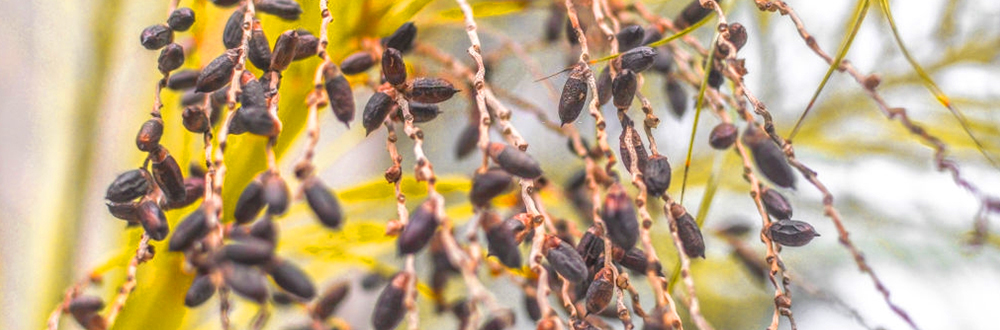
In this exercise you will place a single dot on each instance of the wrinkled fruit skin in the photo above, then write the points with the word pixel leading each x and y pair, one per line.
pixel 429 90
pixel 376 110
pixel 515 161
pixel 565 260
pixel 689 233
pixel 776 204
pixel 791 232
pixel 656 176
pixel 723 136
pixel 574 94
pixel 620 218
pixel 600 292
pixel 130 185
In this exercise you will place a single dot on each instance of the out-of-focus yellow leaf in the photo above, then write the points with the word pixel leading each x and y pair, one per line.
pixel 485 9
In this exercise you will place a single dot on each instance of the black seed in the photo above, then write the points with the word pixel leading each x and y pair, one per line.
pixel 248 250
pixel 687 230
pixel 195 120
pixel 376 110
pixel 193 228
pixel 357 63
pixel 564 259
pixel 330 299
pixel 284 50
pixel 338 90
pixel 723 136
pixel 421 112
pixel 502 243
pixel 389 306
pixel 153 220
pixel 791 232
pixel 323 203
pixel 128 211
pixel 291 278
pixel 246 281
pixel 288 10
pixel 574 94
pixel 257 120
pixel 776 204
pixel 630 37
pixel 259 49
pixel 156 36
pixel 600 292
pixel 623 89
pixel 393 67
pixel 676 95
pixel 232 35
pixel 467 140
pixel 487 185
pixel 148 138
pixel 692 14
pixel 201 289
pixel 217 73
pixel 181 19
pixel 182 80
pixel 171 58
pixel 250 203
pixel 419 229
pixel 638 59
pixel 129 185
pixel 630 140
pixel 276 194
pixel 430 90
pixel 402 38
pixel 498 320
pixel 514 161
pixel 657 175
pixel 604 83
pixel 167 175
pixel 619 216
pixel 769 158
pixel 307 46
pixel 554 23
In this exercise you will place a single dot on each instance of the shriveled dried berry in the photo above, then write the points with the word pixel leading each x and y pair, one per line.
pixel 217 73
pixel 604 84
pixel 389 308
pixel 419 229
pixel 402 38
pixel 628 142
pixel 564 259
pixel 656 176
pixel 232 35
pixel 723 136
pixel 289 10
pixel 421 112
pixel 502 243
pixel 357 63
pixel 330 299
pixel 393 67
pixel 248 250
pixel 600 292
pixel 128 211
pixel 276 194
pixel 307 46
pixel 791 232
pixel 257 120
pixel 193 228
pixel 250 203
pixel 181 19
pixel 676 95
pixel 776 204
pixel 638 59
pixel 591 247
pixel 687 230
pixel 338 91
pixel 692 14
pixel 194 189
pixel 129 185
pixel 156 36
pixel 171 58
pixel 619 216
pixel 636 260
pixel 195 120
pixel 737 36
pixel 630 37
pixel 259 49
pixel 291 278
pixel 466 141
pixel 182 80
pixel 264 229
pixel 574 94
pixel 246 281
pixel 769 158
pixel 623 89
pixel 715 78
pixel 376 110
pixel 487 185
pixel 498 320
pixel 200 291
pixel 430 90
pixel 284 50
pixel 531 306
pixel 323 203
pixel 153 220
pixel 167 175
pixel 514 161
pixel 148 138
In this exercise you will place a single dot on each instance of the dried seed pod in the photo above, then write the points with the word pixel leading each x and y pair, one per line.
pixel 258 48
pixel 498 320
pixel 148 138
pixel 402 38
pixel 723 136
pixel 574 94
pixel 628 141
pixel 554 23
pixel 514 161
pixel 769 158
pixel 487 185
pixel 156 36
pixel 564 259
pixel 619 216
pixel 193 228
pixel 604 84
pixel 276 194
pixel 623 89
pixel 307 45
pixel 128 211
pixel 630 37
pixel 291 278
pixel 217 73
pixel 600 292
pixel 429 90
pixel 591 247
pixel 85 311
pixel 195 120
pixel 502 243
pixel 167 175
pixel 200 291
pixel 389 307
pixel 323 203
pixel 129 185
pixel 232 35
pixel 656 176
pixel 687 230
pixel 467 140
pixel 776 204
pixel 181 19
pixel 791 232
pixel 288 10
pixel 376 109
pixel 171 58
pixel 153 220
pixel 182 80
pixel 419 230
pixel 250 203
pixel 393 67
pixel 676 95
pixel 691 14
pixel 246 281
pixel 330 299
pixel 357 63
pixel 338 91
pixel 248 250
pixel 421 112
pixel 284 49
pixel 637 59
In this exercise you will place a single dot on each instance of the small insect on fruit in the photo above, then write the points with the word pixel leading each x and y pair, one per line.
pixel 514 161
pixel 791 232
pixel 574 94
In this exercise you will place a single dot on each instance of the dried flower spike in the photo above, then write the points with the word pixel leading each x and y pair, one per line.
pixel 514 161
pixel 181 19
pixel 574 94
pixel 156 36
pixel 389 306
pixel 393 67
pixel 791 232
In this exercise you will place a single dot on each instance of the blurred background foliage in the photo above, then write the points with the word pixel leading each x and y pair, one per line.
pixel 76 85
